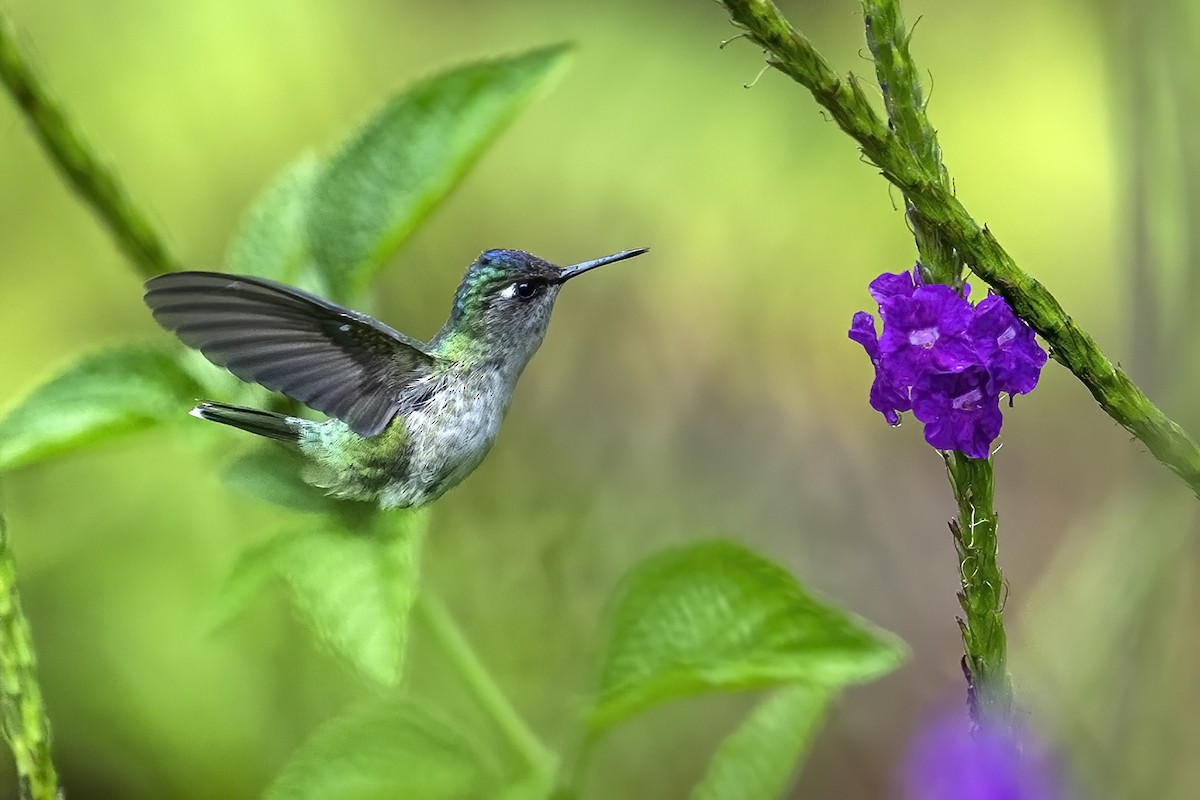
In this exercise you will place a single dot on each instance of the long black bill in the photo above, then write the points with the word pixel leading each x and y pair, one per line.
pixel 578 269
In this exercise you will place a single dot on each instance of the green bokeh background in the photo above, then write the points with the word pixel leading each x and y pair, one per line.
pixel 705 389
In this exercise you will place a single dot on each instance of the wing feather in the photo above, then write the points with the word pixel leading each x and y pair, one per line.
pixel 332 359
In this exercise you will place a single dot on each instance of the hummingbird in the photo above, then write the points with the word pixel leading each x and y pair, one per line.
pixel 407 420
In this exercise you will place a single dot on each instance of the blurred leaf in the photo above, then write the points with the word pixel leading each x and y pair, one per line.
pixel 274 473
pixel 273 240
pixel 401 751
pixel 396 167
pixel 537 786
pixel 102 395
pixel 357 588
pixel 214 381
pixel 354 579
pixel 255 568
pixel 757 761
pixel 1113 616
pixel 715 616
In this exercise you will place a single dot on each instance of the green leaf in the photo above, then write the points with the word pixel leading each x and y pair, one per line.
pixel 757 761
pixel 535 786
pixel 102 395
pixel 400 751
pixel 715 616
pixel 254 570
pixel 354 580
pixel 357 588
pixel 402 162
pixel 275 473
pixel 273 239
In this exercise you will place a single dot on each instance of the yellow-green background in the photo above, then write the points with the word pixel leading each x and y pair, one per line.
pixel 705 389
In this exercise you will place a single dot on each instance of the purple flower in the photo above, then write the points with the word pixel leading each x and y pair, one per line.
pixel 862 330
pixel 893 284
pixel 887 397
pixel 925 332
pixel 946 360
pixel 960 410
pixel 1007 347
pixel 950 762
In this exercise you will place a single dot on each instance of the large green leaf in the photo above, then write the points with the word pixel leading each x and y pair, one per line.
pixel 275 474
pixel 399 751
pixel 395 168
pixel 757 761
pixel 357 589
pixel 273 238
pixel 255 569
pixel 715 616
pixel 100 396
pixel 355 580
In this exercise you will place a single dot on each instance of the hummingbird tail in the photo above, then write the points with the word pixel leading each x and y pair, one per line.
pixel 262 423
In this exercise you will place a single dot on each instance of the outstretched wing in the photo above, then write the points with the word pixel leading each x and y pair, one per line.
pixel 329 358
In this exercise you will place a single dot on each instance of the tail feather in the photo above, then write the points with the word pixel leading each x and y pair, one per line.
pixel 262 423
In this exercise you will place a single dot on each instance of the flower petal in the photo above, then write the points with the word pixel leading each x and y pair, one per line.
pixel 960 410
pixel 887 396
pixel 926 331
pixel 890 285
pixel 862 330
pixel 1007 346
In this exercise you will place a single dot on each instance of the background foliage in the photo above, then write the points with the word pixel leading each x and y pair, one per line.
pixel 707 389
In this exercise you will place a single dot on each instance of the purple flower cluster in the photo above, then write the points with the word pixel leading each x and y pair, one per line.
pixel 946 360
pixel 948 761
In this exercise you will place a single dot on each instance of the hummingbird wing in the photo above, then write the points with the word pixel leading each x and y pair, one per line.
pixel 337 361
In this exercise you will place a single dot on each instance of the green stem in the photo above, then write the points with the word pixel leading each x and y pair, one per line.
pixel 445 631
pixel 574 771
pixel 77 161
pixel 972 480
pixel 982 593
pixel 903 97
pixel 24 716
pixel 791 53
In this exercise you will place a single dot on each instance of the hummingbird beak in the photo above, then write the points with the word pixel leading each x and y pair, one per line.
pixel 578 269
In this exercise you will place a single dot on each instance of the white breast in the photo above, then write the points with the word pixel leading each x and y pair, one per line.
pixel 449 436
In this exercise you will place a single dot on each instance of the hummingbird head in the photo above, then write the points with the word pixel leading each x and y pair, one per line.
pixel 505 299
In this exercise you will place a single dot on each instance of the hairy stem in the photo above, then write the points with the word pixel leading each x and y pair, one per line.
pixel 981 596
pixel 458 652
pixel 971 480
pixel 791 53
pixel 888 39
pixel 25 724
pixel 78 162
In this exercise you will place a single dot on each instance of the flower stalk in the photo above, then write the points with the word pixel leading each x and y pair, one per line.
pixel 981 593
pixel 972 480
pixel 928 191
pixel 904 100
pixel 26 726
pixel 77 161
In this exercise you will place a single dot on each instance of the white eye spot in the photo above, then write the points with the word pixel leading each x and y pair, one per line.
pixel 509 291
pixel 344 328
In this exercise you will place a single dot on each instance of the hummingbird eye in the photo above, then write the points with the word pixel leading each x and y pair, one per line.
pixel 527 290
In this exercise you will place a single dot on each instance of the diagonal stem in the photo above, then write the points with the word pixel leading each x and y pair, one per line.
pixel 77 161
pixel 794 55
